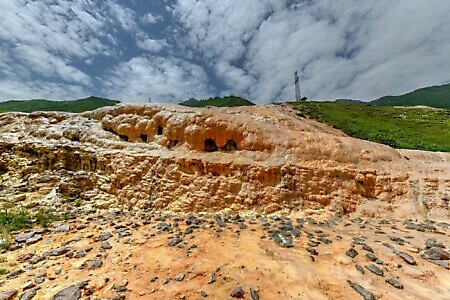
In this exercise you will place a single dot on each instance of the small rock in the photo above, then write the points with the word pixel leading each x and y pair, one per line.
pixel 359 268
pixel 28 295
pixel 253 294
pixel 14 274
pixel 371 256
pixel 8 295
pixel 367 248
pixel 34 239
pixel 62 228
pixel 406 257
pixel 394 283
pixel 204 294
pixel 106 245
pixel 237 293
pixel 56 252
pixel 435 253
pixel 175 241
pixel 212 278
pixel 72 292
pixel 351 252
pixel 92 264
pixel 374 269
pixel 103 236
pixel 367 295
pixel 179 277
pixel 154 278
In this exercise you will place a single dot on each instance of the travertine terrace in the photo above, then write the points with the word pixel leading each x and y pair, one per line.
pixel 262 159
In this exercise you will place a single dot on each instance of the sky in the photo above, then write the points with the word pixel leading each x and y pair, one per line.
pixel 173 50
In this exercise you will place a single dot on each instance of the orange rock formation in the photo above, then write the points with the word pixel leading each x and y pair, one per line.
pixel 262 158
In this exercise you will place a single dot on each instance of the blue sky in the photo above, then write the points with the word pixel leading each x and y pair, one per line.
pixel 173 50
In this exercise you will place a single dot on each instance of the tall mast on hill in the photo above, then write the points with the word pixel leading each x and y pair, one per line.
pixel 298 95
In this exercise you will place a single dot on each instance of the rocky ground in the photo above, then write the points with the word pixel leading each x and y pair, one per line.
pixel 156 255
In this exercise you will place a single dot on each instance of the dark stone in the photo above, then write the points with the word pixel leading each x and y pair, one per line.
pixel 237 293
pixel 175 241
pixel 371 256
pixel 72 292
pixel 154 278
pixel 324 240
pixel 374 269
pixel 92 264
pixel 103 236
pixel 212 278
pixel 435 253
pixel 395 283
pixel 312 251
pixel 441 263
pixel 406 257
pixel 281 238
pixel 179 277
pixel 359 268
pixel 367 295
pixel 367 248
pixel 351 252
pixel 8 295
pixel 204 294
pixel 105 245
pixel 23 237
pixel 398 240
pixel 56 252
pixel 15 273
pixel 28 294
pixel 430 243
pixel 36 259
pixel 253 294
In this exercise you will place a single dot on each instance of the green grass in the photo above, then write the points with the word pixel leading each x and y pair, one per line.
pixel 219 102
pixel 75 106
pixel 434 96
pixel 19 219
pixel 406 128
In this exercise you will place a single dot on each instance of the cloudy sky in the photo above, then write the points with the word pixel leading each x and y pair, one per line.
pixel 172 50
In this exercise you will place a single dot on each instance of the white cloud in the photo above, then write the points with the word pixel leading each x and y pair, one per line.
pixel 163 80
pixel 342 48
pixel 151 45
pixel 359 49
pixel 150 18
pixel 18 89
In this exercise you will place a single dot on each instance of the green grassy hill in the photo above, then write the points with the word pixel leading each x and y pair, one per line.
pixel 434 96
pixel 76 106
pixel 217 101
pixel 406 128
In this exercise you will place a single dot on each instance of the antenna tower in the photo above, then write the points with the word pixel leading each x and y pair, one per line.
pixel 298 95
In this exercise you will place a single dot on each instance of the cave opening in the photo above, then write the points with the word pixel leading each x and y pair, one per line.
pixel 230 146
pixel 160 130
pixel 144 138
pixel 123 137
pixel 210 145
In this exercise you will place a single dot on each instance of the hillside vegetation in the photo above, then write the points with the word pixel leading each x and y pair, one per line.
pixel 407 128
pixel 75 106
pixel 434 96
pixel 218 101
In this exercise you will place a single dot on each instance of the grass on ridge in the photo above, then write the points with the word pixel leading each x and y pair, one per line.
pixel 398 127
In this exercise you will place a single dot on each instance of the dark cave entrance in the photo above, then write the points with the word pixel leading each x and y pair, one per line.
pixel 230 146
pixel 210 145
pixel 144 137
pixel 160 130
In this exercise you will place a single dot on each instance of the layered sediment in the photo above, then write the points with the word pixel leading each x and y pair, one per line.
pixel 262 159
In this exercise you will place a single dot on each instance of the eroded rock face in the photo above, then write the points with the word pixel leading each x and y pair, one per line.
pixel 262 158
